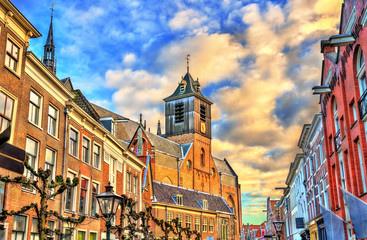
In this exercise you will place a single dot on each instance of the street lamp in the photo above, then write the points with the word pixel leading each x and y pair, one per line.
pixel 108 203
pixel 278 225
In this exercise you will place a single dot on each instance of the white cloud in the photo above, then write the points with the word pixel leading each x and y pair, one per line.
pixel 188 19
pixel 129 59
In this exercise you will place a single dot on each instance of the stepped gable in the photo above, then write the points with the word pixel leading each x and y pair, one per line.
pixel 84 104
pixel 163 193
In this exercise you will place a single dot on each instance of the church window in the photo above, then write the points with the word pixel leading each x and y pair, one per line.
pixel 202 112
pixel 188 164
pixel 213 172
pixel 179 113
pixel 202 157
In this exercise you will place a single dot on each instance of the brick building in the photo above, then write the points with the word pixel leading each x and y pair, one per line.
pixel 343 105
pixel 183 179
pixel 59 130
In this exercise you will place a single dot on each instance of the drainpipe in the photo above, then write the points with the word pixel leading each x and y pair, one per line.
pixel 66 111
pixel 220 178
pixel 178 172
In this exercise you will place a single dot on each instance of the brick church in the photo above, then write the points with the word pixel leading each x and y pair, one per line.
pixel 183 179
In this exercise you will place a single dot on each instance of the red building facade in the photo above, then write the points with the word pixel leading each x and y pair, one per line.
pixel 344 108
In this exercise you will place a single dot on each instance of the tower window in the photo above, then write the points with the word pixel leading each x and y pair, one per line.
pixel 179 113
pixel 202 112
pixel 202 157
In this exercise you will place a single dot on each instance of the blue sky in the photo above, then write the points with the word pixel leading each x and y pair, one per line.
pixel 256 60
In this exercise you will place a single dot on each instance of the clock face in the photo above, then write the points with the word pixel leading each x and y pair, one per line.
pixel 202 127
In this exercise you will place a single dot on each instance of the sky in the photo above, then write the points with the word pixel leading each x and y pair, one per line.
pixel 256 60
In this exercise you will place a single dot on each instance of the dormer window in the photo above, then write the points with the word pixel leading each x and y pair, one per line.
pixel 205 204
pixel 182 87
pixel 178 199
pixel 113 128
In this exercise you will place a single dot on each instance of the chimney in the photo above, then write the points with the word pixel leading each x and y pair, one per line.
pixel 141 119
pixel 145 124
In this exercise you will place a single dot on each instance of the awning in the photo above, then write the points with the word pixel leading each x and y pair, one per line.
pixel 11 157
pixel 334 225
pixel 358 213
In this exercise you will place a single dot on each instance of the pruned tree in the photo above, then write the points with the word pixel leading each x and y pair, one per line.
pixel 46 189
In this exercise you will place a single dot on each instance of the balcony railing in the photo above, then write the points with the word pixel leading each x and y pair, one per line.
pixel 363 105
pixel 337 140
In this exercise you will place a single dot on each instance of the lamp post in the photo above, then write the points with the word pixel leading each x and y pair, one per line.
pixel 278 225
pixel 108 203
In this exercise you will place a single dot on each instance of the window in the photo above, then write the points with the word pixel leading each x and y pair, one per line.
pixel 316 161
pixel 92 236
pixel 50 162
pixel 6 111
pixel 113 128
pixel 205 224
pixel 96 156
pixel 135 184
pixel 51 226
pixel 211 225
pixel 188 222
pixel 83 196
pixel 112 172
pixel 179 200
pixel 188 164
pixel 336 118
pixel 2 195
pixel 68 234
pixel 342 169
pixel 197 224
pixel 86 150
pixel 180 219
pixel 354 112
pixel 224 229
pixel 12 56
pixel 53 114
pixel 205 204
pixel 94 204
pixel 19 227
pixel 32 151
pixel 202 157
pixel 34 229
pixel 70 194
pixel 337 188
pixel 81 235
pixel 128 182
pixel 169 217
pixel 179 113
pixel 202 112
pixel 73 142
pixel 35 108
pixel 361 167
pixel 361 72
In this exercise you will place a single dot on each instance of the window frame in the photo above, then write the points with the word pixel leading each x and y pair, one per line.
pixel 54 119
pixel 205 224
pixel 73 193
pixel 93 194
pixel 34 232
pixel 76 142
pixel 26 218
pixel 5 113
pixel 34 165
pixel 97 146
pixel 35 109
pixel 188 219
pixel 86 152
pixel 112 170
pixel 53 169
pixel 169 217
pixel 128 181
pixel 9 56
pixel 135 184
pixel 197 224
pixel 85 201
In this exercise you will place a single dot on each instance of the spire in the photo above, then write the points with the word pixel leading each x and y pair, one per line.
pixel 159 131
pixel 49 48
pixel 187 61
pixel 141 119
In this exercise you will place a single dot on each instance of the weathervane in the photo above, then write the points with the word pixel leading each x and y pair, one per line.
pixel 52 10
pixel 188 60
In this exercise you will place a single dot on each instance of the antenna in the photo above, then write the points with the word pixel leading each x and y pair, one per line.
pixel 187 60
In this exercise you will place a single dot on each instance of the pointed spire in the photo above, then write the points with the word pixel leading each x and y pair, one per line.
pixel 159 131
pixel 145 124
pixel 49 48
pixel 187 61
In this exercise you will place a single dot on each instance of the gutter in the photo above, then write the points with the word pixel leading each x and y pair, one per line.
pixel 66 111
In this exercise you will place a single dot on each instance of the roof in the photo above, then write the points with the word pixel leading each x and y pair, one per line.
pixel 191 88
pixel 164 145
pixel 163 193
pixel 223 166
pixel 67 82
pixel 50 36
pixel 84 104
pixel 107 113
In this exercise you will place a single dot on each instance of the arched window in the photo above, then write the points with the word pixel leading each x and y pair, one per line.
pixel 202 157
pixel 361 72
pixel 336 118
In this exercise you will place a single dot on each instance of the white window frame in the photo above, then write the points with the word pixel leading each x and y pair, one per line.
pixel 6 115
pixel 112 170
pixel 135 184
pixel 86 200
pixel 17 69
pixel 88 155
pixel 362 167
pixel 361 70
pixel 128 181
pixel 82 231
pixel 74 193
pixel 27 173
pixel 53 170
pixel 77 142
pixel 55 119
pixel 35 117
pixel 97 146
pixel 96 202
pixel 93 232
pixel 25 227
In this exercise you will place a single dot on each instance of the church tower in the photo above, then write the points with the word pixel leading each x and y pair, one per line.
pixel 187 111
pixel 49 48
